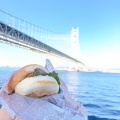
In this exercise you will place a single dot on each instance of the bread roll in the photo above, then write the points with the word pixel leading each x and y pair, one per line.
pixel 22 73
pixel 37 86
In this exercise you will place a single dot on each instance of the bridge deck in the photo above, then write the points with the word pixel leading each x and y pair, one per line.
pixel 13 36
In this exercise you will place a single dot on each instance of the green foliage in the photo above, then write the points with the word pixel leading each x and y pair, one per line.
pixel 55 75
pixel 39 71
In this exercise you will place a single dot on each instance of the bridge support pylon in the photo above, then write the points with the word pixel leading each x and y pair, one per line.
pixel 75 49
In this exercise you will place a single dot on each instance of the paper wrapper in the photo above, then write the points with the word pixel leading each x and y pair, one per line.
pixel 54 107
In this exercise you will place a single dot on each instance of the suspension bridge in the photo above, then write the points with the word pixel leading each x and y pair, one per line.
pixel 15 31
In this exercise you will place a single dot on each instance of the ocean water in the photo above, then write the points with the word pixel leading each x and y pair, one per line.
pixel 99 92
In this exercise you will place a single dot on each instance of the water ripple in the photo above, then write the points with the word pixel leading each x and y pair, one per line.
pixel 98 118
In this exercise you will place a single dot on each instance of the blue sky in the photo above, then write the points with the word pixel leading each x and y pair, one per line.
pixel 98 22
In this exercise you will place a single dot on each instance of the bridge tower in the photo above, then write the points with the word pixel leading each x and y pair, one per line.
pixel 75 48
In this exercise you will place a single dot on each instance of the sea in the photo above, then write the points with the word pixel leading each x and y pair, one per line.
pixel 99 92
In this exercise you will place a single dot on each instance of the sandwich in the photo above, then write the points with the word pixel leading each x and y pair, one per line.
pixel 34 80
